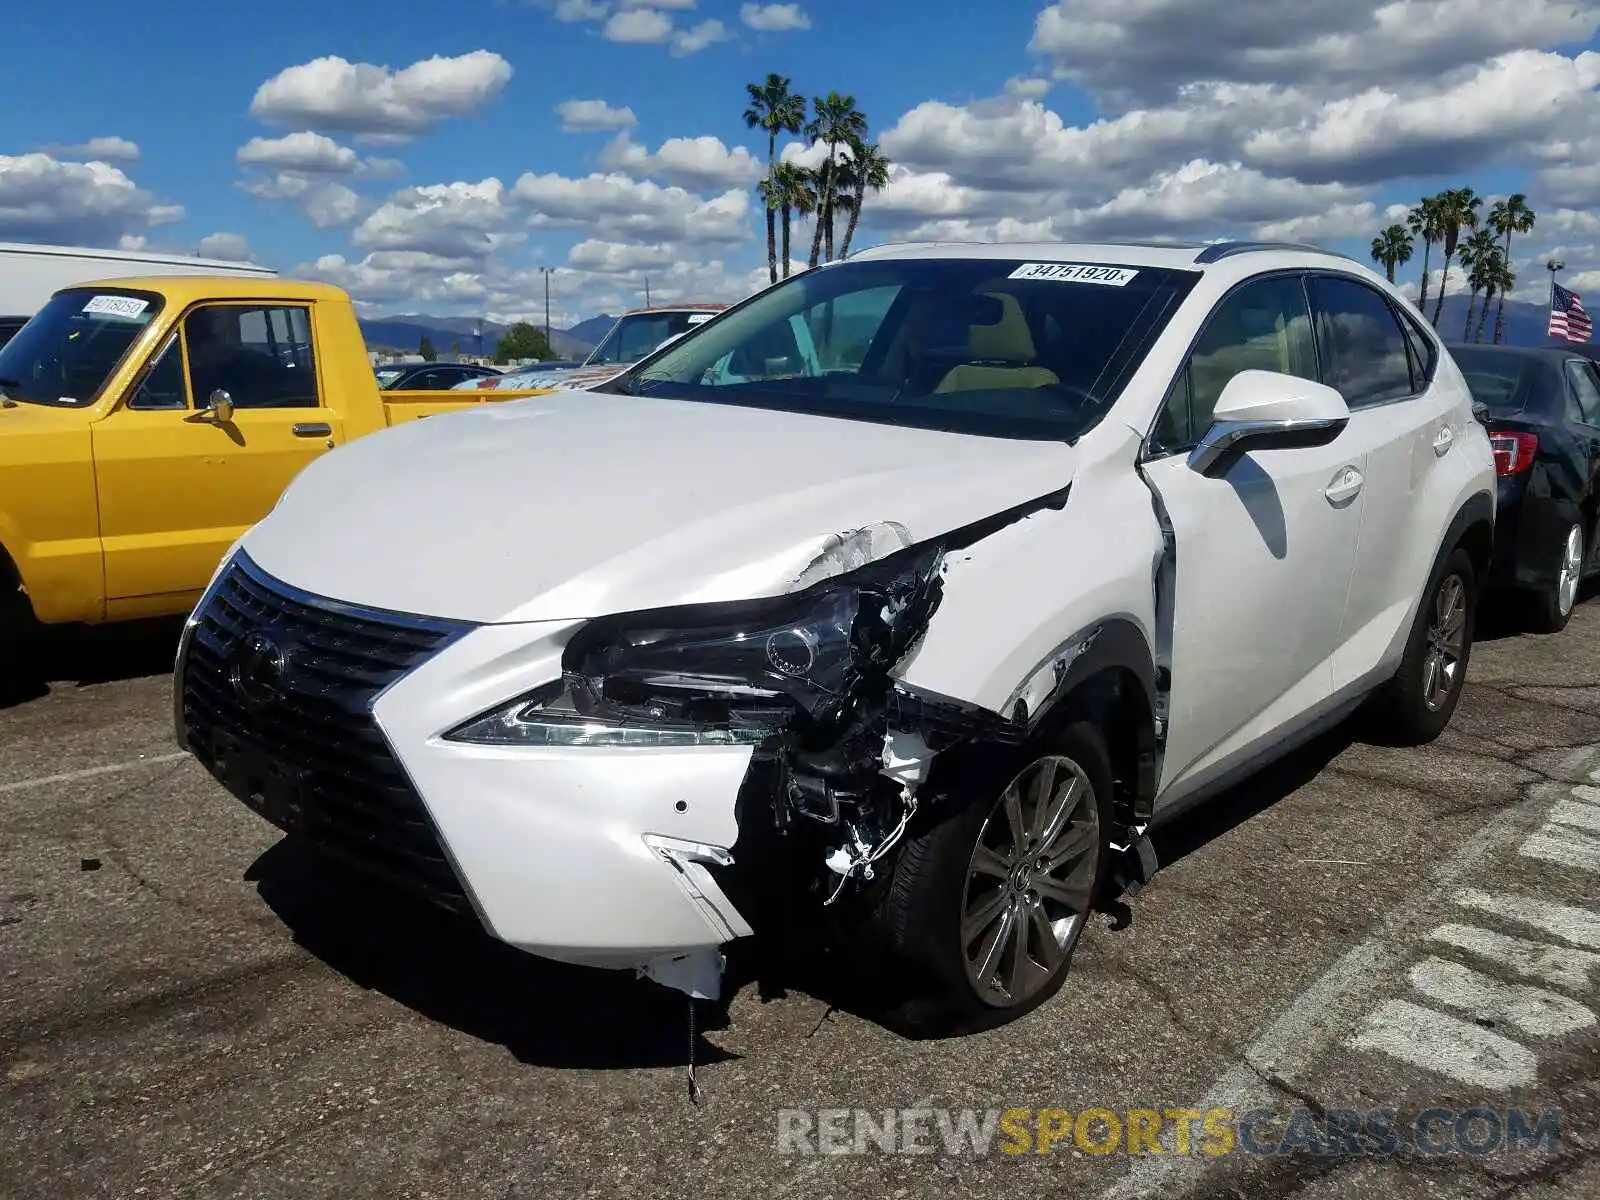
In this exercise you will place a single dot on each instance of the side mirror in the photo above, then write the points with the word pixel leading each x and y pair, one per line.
pixel 220 408
pixel 1268 410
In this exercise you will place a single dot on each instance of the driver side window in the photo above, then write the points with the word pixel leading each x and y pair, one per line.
pixel 1264 325
pixel 164 385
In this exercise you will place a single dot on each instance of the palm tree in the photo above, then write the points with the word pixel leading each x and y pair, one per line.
pixel 1498 279
pixel 1424 222
pixel 1392 248
pixel 835 121
pixel 1477 255
pixel 774 108
pixel 795 193
pixel 869 172
pixel 1508 216
pixel 1458 210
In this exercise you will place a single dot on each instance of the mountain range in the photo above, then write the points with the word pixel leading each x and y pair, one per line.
pixel 1524 326
pixel 405 332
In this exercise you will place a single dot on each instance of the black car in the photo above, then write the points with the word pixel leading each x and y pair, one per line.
pixel 1542 409
pixel 9 327
pixel 429 376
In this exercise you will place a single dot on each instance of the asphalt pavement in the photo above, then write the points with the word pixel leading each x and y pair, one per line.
pixel 191 1007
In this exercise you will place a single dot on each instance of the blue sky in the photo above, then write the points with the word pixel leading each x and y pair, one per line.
pixel 445 187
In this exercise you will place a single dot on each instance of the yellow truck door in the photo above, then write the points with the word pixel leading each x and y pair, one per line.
pixel 181 478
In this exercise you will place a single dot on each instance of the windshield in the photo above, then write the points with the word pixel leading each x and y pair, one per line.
pixel 67 352
pixel 1501 382
pixel 633 337
pixel 1001 347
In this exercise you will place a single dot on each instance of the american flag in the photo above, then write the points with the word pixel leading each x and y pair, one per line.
pixel 1568 319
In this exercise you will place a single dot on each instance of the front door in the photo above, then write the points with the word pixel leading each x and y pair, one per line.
pixel 1263 554
pixel 178 487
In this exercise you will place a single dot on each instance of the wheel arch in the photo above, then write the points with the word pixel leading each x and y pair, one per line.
pixel 1112 681
pixel 13 598
pixel 1472 530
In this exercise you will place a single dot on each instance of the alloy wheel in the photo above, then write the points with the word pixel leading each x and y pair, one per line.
pixel 1030 881
pixel 1447 641
pixel 1571 571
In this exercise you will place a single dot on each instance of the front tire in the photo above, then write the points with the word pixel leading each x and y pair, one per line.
pixel 1551 606
pixel 987 905
pixel 1414 707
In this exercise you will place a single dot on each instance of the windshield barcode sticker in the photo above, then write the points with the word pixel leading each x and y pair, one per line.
pixel 1075 273
pixel 699 318
pixel 126 307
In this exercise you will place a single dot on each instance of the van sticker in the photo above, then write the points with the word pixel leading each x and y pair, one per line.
pixel 126 307
pixel 1075 273
pixel 699 318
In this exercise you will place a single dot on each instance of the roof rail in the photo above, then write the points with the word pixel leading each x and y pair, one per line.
pixel 1220 250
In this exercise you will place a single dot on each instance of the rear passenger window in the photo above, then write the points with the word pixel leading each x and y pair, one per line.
pixel 1583 392
pixel 1424 353
pixel 1365 356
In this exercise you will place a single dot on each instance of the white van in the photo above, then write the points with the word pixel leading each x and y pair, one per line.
pixel 30 274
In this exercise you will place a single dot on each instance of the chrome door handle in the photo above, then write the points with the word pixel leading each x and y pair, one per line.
pixel 1346 485
pixel 313 429
pixel 1443 440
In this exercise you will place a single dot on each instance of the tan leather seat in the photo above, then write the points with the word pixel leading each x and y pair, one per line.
pixel 1008 340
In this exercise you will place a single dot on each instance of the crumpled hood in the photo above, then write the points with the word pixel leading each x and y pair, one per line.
pixel 574 504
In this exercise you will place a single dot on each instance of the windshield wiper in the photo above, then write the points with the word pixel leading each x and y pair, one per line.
pixel 10 382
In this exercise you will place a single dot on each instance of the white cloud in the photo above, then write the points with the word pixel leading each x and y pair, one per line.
pixel 309 152
pixel 593 116
pixel 638 26
pixel 333 94
pixel 774 18
pixel 692 41
pixel 102 149
pixel 1446 125
pixel 621 258
pixel 615 207
pixel 389 281
pixel 573 11
pixel 1148 48
pixel 43 199
pixel 699 162
pixel 326 205
pixel 234 247
pixel 448 219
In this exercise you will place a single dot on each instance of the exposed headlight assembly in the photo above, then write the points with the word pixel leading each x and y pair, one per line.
pixel 727 674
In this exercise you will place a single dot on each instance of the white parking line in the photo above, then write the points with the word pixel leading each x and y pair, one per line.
pixel 1430 1040
pixel 1575 815
pixel 1288 1045
pixel 1559 844
pixel 1536 1011
pixel 1578 926
pixel 1552 964
pixel 90 772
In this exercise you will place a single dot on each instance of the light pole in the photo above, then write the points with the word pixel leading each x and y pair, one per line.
pixel 547 341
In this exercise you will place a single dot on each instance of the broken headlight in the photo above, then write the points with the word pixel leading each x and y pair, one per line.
pixel 726 674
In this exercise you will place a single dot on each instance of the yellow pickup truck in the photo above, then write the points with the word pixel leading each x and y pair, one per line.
pixel 145 424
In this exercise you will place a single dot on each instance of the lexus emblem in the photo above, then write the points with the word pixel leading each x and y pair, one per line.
pixel 259 669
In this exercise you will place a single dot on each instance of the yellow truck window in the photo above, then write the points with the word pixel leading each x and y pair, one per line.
pixel 164 385
pixel 67 352
pixel 261 355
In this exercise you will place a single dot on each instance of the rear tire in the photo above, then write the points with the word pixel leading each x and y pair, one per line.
pixel 1415 706
pixel 987 926
pixel 1550 608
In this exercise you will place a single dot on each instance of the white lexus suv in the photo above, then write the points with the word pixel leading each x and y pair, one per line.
pixel 896 601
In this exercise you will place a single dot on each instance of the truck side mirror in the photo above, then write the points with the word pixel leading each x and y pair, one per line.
pixel 220 408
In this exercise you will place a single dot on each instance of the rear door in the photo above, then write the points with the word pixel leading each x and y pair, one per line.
pixel 1583 383
pixel 177 488
pixel 1385 366
pixel 1263 554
